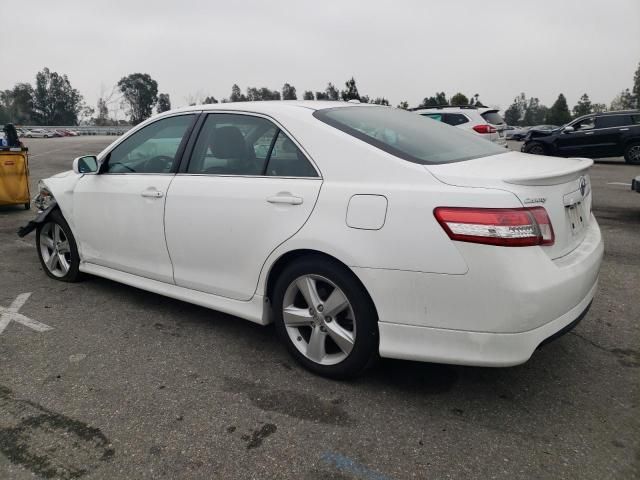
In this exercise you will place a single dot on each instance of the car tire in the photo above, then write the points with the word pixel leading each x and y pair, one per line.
pixel 338 337
pixel 535 148
pixel 46 136
pixel 57 248
pixel 632 154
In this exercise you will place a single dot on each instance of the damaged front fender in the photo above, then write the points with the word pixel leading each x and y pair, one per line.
pixel 40 218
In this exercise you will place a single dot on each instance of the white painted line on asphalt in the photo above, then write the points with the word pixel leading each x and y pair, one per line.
pixel 619 183
pixel 11 314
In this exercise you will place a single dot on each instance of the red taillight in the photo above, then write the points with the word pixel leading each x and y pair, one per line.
pixel 484 129
pixel 507 227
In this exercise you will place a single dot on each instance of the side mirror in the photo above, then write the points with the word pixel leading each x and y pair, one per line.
pixel 568 129
pixel 86 164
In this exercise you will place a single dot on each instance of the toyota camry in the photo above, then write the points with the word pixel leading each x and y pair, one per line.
pixel 359 230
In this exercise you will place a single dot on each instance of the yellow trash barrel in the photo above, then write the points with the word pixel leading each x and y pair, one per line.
pixel 14 177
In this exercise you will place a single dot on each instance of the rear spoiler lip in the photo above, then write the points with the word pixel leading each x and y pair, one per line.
pixel 553 177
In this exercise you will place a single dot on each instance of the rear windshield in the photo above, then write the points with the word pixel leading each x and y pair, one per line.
pixel 493 118
pixel 408 135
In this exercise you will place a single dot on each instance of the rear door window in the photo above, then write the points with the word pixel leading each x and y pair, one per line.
pixel 434 116
pixel 609 121
pixel 492 117
pixel 454 119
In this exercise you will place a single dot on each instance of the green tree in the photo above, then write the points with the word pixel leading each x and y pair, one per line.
pixel 514 115
pixel 17 104
pixel 351 90
pixel 636 87
pixel 236 94
pixel 559 114
pixel 322 96
pixel 308 95
pixel 459 99
pixel 103 113
pixel 140 94
pixel 623 101
pixel 380 101
pixel 583 107
pixel 440 98
pixel 164 103
pixel 55 101
pixel 475 100
pixel 535 113
pixel 364 99
pixel 209 100
pixel 331 93
pixel 404 105
pixel 289 92
pixel 599 107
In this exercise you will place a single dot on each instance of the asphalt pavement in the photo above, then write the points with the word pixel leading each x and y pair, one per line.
pixel 111 382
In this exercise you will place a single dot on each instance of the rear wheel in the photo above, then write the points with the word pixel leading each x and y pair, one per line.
pixel 632 154
pixel 325 318
pixel 57 248
pixel 535 148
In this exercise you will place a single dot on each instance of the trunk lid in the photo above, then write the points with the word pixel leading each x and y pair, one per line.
pixel 560 185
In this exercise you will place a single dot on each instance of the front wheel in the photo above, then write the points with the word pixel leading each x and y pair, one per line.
pixel 326 318
pixel 57 248
pixel 535 148
pixel 632 154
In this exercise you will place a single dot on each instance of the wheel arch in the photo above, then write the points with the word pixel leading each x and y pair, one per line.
pixel 287 258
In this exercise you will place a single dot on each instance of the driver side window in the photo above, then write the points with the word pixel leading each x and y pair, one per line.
pixel 586 124
pixel 151 150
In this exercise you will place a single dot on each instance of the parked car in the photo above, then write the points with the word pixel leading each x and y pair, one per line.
pixel 599 135
pixel 635 184
pixel 58 132
pixel 358 229
pixel 518 133
pixel 483 121
pixel 38 133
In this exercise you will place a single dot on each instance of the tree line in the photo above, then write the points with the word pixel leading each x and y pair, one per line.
pixel 53 101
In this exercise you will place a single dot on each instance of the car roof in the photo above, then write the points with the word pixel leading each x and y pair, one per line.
pixel 271 106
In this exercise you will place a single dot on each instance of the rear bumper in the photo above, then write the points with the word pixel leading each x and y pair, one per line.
pixel 474 348
pixel 509 301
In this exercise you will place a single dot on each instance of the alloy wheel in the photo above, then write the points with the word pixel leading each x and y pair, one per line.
pixel 55 249
pixel 634 154
pixel 319 319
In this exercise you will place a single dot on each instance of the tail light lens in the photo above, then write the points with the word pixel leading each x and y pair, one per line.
pixel 484 129
pixel 507 227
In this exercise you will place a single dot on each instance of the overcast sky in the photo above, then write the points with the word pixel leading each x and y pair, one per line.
pixel 400 49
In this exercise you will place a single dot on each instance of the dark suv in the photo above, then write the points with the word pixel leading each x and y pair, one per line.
pixel 609 134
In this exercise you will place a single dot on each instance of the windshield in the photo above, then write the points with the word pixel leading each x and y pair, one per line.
pixel 408 135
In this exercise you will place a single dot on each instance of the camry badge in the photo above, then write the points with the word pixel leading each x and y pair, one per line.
pixel 528 201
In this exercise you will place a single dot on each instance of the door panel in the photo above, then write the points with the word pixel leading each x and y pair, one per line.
pixel 119 223
pixel 221 229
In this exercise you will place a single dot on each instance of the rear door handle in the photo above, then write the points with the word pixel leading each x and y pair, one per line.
pixel 624 129
pixel 285 198
pixel 588 133
pixel 152 193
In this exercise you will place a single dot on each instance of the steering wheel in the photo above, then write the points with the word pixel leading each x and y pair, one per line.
pixel 159 164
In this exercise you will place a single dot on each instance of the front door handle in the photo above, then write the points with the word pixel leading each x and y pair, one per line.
pixel 285 197
pixel 588 133
pixel 152 193
pixel 624 129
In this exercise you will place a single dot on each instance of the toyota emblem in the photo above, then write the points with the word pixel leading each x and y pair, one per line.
pixel 583 185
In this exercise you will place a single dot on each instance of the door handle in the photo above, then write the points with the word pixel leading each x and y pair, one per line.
pixel 285 198
pixel 624 129
pixel 588 133
pixel 152 193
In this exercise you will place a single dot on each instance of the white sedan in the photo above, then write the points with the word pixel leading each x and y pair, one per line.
pixel 359 230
